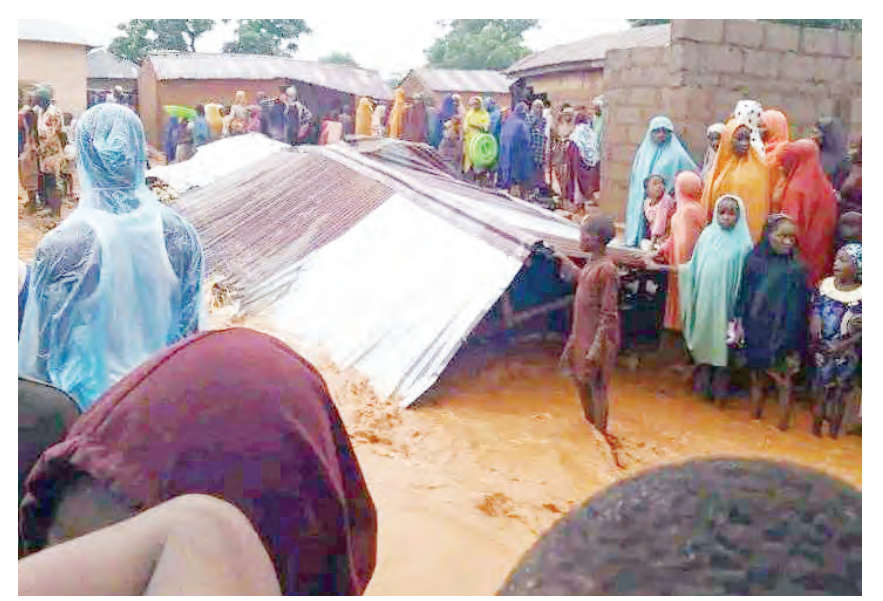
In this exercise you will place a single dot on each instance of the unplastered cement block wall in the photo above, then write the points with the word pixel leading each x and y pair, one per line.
pixel 708 67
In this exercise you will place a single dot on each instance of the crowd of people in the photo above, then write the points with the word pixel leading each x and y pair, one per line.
pixel 124 402
pixel 763 246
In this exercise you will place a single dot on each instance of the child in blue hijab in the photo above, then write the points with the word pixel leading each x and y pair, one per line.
pixel 119 279
pixel 709 286
pixel 661 153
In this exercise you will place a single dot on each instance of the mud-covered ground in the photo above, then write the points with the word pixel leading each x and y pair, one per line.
pixel 498 450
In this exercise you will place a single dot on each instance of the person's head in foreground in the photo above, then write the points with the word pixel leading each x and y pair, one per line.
pixel 705 527
pixel 234 414
pixel 728 211
pixel 596 232
pixel 654 186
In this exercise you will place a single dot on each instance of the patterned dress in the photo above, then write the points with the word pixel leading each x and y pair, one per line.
pixel 50 148
pixel 836 310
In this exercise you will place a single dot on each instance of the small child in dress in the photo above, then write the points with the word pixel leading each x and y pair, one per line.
pixel 835 329
pixel 593 346
pixel 658 209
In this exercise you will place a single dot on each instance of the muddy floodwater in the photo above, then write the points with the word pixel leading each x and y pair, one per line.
pixel 498 450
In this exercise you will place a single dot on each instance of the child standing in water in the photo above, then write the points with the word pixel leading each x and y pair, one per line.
pixel 658 208
pixel 771 314
pixel 708 286
pixel 835 329
pixel 594 341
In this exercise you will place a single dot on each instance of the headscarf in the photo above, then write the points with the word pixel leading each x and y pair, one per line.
pixel 240 98
pixel 378 128
pixel 496 117
pixel 585 140
pixel 709 285
pixel 749 112
pixel 238 415
pixel 363 117
pixel 119 279
pixel 834 156
pixel 214 119
pixel 854 250
pixel 598 120
pixel 516 162
pixel 477 121
pixel 665 160
pixel 809 199
pixel 687 224
pixel 746 177
pixel 170 139
pixel 711 153
pixel 776 125
pixel 773 302
pixel 395 122
pixel 416 125
pixel 43 92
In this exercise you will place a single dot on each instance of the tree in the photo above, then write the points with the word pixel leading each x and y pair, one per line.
pixel 480 44
pixel 267 36
pixel 842 24
pixel 339 58
pixel 142 36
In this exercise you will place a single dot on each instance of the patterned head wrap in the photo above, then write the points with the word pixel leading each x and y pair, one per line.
pixel 854 250
pixel 749 112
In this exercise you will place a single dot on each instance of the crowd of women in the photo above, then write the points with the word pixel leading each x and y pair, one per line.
pixel 528 141
pixel 129 416
pixel 764 248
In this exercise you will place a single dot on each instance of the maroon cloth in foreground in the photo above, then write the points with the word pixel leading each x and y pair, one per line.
pixel 238 415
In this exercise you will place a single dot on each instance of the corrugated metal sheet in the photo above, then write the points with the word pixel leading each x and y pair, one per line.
pixel 197 65
pixel 592 49
pixel 259 221
pixel 395 297
pixel 44 30
pixel 101 64
pixel 452 80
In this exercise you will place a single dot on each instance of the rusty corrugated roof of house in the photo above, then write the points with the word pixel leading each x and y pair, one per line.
pixel 452 80
pixel 591 49
pixel 200 65
pixel 57 32
pixel 102 64
pixel 260 220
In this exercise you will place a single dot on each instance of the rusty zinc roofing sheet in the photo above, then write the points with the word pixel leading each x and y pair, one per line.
pixel 200 65
pixel 452 80
pixel 591 49
pixel 102 64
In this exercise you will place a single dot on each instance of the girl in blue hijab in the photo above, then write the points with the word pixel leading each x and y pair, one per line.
pixel 447 111
pixel 661 153
pixel 709 287
pixel 119 279
pixel 516 165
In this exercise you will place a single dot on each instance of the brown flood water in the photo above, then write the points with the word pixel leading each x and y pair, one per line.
pixel 498 450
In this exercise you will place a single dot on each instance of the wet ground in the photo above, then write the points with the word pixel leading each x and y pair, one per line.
pixel 498 450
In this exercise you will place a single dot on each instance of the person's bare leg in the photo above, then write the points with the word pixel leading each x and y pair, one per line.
pixel 757 395
pixel 584 391
pixel 818 410
pixel 600 403
pixel 786 401
pixel 191 545
pixel 837 411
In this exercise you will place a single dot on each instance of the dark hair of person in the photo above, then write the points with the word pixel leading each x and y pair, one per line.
pixel 600 225
pixel 650 178
pixel 705 527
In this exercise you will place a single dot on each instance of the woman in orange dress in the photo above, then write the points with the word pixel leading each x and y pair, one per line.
pixel 774 132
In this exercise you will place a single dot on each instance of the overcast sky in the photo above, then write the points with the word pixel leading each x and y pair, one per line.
pixel 389 46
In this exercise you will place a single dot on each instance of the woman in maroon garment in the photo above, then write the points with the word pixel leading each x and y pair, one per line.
pixel 593 346
pixel 233 414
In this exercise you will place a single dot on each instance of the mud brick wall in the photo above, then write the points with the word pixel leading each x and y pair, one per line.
pixel 576 88
pixel 707 68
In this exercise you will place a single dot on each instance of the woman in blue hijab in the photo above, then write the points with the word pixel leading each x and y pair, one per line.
pixel 516 164
pixel 119 279
pixel 661 153
pixel 447 111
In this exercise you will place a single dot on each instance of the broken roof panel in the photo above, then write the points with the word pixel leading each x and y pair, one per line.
pixel 202 65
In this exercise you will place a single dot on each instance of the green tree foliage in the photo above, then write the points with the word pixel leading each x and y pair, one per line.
pixel 267 36
pixel 480 44
pixel 339 58
pixel 142 36
pixel 842 24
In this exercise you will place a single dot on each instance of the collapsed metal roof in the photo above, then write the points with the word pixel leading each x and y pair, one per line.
pixel 201 65
pixel 386 268
pixel 590 50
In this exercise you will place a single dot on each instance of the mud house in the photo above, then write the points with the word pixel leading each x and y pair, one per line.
pixel 105 71
pixel 191 78
pixel 695 71
pixel 52 52
pixel 438 83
